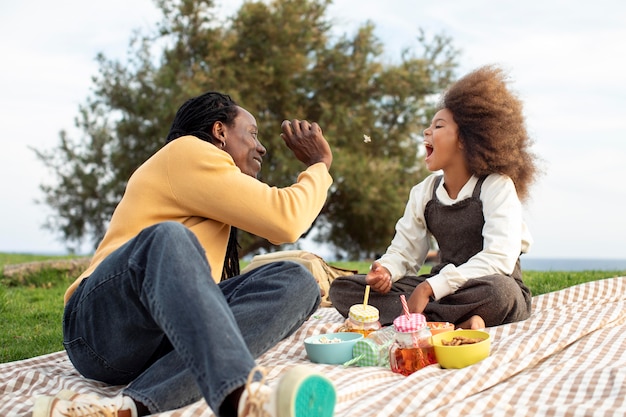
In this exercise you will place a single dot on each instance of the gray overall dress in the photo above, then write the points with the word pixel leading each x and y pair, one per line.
pixel 497 298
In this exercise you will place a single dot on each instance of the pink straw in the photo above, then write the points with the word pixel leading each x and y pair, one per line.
pixel 405 306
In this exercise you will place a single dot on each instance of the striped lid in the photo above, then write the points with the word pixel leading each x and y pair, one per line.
pixel 363 313
pixel 411 323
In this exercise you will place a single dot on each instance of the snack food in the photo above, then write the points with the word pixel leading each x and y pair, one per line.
pixel 328 340
pixel 437 327
pixel 451 354
pixel 461 340
pixel 361 319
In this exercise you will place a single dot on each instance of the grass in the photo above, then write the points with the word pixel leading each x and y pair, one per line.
pixel 32 307
pixel 31 310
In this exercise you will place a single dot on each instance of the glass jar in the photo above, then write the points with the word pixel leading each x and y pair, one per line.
pixel 362 319
pixel 374 349
pixel 412 349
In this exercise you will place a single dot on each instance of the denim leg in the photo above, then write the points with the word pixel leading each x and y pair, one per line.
pixel 254 298
pixel 271 302
pixel 152 315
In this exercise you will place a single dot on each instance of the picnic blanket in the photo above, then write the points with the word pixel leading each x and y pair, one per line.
pixel 567 359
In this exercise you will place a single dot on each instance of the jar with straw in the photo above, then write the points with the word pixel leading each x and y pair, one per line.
pixel 362 318
pixel 412 349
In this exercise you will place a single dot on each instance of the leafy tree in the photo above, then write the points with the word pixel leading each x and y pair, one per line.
pixel 280 60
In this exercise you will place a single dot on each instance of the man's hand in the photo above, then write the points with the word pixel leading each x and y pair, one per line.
pixel 307 142
pixel 379 278
pixel 420 297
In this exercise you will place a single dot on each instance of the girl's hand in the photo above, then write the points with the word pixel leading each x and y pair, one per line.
pixel 379 278
pixel 420 297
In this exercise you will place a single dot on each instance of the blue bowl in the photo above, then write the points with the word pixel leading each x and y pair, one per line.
pixel 333 353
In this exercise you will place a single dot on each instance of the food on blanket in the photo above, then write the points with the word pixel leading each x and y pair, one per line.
pixel 363 319
pixel 460 340
pixel 473 346
pixel 320 350
pixel 437 327
pixel 325 339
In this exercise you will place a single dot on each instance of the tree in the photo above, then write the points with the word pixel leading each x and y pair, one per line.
pixel 280 60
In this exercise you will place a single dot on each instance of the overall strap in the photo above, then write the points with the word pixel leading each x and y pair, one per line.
pixel 478 186
pixel 435 185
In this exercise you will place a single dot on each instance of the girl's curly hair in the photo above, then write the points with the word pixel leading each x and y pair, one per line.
pixel 492 128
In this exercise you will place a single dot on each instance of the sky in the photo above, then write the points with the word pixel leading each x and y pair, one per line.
pixel 565 60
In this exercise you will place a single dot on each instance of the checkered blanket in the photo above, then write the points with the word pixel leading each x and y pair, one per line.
pixel 567 359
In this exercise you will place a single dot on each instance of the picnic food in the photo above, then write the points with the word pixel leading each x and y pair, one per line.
pixel 322 348
pixel 437 327
pixel 362 319
pixel 326 339
pixel 461 340
pixel 452 355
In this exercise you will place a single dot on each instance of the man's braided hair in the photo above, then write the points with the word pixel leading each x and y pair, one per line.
pixel 196 117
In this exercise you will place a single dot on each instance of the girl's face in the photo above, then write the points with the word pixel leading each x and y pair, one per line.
pixel 242 143
pixel 443 148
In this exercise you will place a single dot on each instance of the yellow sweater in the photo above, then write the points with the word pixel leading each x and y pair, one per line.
pixel 192 182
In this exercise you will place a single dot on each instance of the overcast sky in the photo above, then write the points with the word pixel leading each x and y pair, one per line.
pixel 565 57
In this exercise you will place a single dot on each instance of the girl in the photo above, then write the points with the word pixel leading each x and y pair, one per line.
pixel 472 208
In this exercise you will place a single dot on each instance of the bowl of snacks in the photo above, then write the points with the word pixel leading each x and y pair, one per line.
pixel 331 348
pixel 461 348
pixel 437 327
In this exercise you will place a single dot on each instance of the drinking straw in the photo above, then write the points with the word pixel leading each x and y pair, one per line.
pixel 354 360
pixel 367 295
pixel 405 306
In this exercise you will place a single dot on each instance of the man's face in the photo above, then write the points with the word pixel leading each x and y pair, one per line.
pixel 241 142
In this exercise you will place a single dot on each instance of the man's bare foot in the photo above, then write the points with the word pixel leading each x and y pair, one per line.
pixel 473 323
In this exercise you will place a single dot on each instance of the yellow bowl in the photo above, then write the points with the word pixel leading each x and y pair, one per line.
pixel 456 357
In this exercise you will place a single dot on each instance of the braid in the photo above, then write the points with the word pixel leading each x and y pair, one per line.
pixel 231 261
pixel 196 117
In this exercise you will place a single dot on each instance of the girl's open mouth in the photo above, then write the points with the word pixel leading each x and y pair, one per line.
pixel 429 149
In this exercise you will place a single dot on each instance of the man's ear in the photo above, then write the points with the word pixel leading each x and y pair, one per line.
pixel 219 131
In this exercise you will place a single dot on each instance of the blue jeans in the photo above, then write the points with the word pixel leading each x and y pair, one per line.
pixel 151 316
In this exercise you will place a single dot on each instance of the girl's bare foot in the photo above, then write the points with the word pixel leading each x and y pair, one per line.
pixel 473 323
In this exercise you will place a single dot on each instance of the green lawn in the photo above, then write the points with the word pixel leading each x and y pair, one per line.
pixel 31 308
